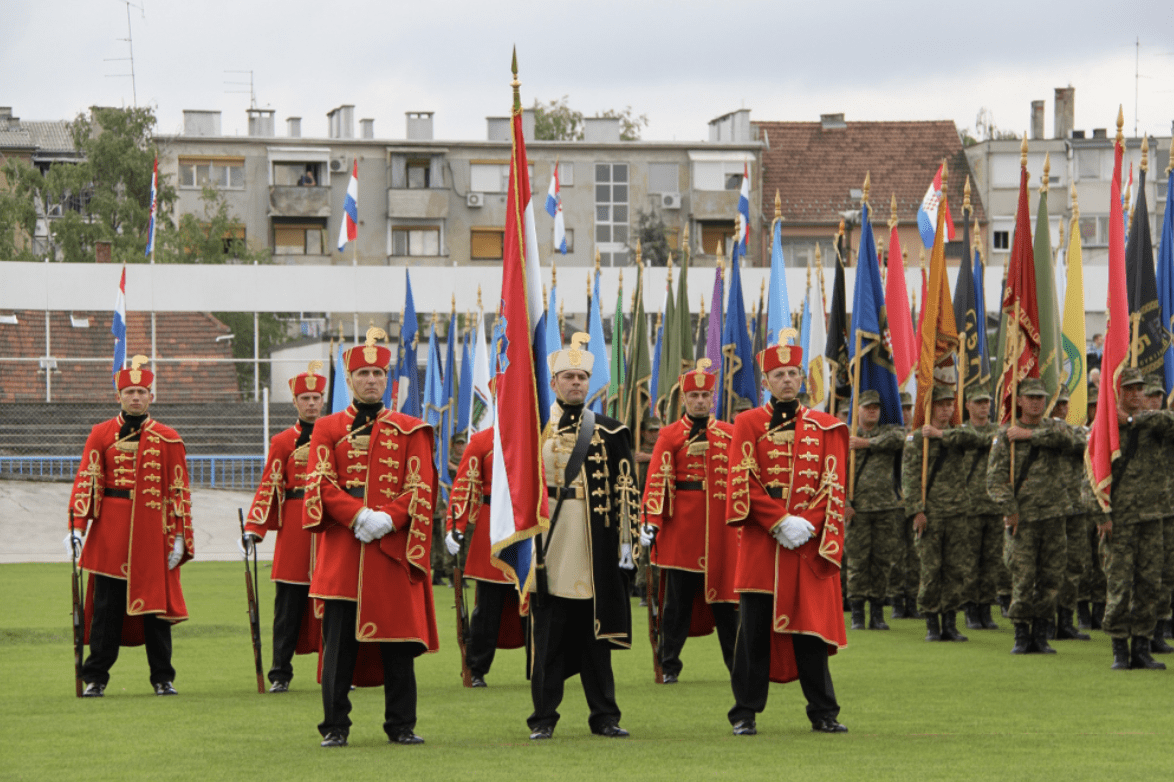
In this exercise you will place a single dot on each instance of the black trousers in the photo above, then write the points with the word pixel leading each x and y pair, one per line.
pixel 485 624
pixel 339 653
pixel 680 589
pixel 106 635
pixel 750 678
pixel 288 607
pixel 564 631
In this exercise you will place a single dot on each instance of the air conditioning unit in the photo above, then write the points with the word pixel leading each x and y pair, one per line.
pixel 475 200
pixel 670 200
pixel 338 165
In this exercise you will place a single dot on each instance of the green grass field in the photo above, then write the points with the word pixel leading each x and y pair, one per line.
pixel 915 710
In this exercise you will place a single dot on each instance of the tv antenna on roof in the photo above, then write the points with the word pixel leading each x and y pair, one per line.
pixel 131 49
pixel 252 94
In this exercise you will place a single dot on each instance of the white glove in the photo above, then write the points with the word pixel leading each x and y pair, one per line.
pixel 371 525
pixel 647 535
pixel 73 543
pixel 176 554
pixel 626 562
pixel 793 532
pixel 451 543
pixel 248 544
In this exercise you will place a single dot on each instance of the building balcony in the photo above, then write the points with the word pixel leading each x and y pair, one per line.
pixel 299 201
pixel 714 204
pixel 423 203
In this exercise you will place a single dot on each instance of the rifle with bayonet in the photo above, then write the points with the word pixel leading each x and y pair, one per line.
pixel 254 611
pixel 458 586
pixel 79 614
pixel 652 599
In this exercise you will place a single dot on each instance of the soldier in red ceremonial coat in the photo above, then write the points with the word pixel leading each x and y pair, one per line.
pixel 495 621
pixel 132 491
pixel 684 523
pixel 787 473
pixel 277 506
pixel 369 493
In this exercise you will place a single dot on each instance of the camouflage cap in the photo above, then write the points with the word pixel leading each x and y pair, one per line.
pixel 869 397
pixel 906 399
pixel 1154 385
pixel 1131 376
pixel 1093 393
pixel 1032 386
pixel 978 394
pixel 942 393
pixel 1062 394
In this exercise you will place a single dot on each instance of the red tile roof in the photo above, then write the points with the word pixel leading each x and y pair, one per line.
pixel 814 170
pixel 177 335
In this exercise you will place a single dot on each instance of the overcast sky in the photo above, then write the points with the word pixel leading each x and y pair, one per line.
pixel 680 63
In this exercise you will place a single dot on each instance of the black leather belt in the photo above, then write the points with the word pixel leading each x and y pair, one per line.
pixel 778 492
pixel 123 494
pixel 564 492
pixel 356 491
pixel 295 494
pixel 690 486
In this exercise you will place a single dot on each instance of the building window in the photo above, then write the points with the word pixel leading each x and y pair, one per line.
pixel 298 238
pixel 611 212
pixel 566 174
pixel 220 173
pixel 419 174
pixel 1094 230
pixel 492 176
pixel 570 241
pixel 415 241
pixel 718 174
pixel 715 234
pixel 1088 164
pixel 487 244
pixel 1001 240
pixel 300 174
pixel 664 178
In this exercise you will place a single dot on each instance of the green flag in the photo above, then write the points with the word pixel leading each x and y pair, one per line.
pixel 615 387
pixel 1051 354
pixel 685 340
pixel 670 354
pixel 639 364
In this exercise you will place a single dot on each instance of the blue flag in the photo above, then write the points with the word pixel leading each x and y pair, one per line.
pixel 407 372
pixel 737 354
pixel 980 309
pixel 778 306
pixel 869 327
pixel 654 378
pixel 601 374
pixel 554 340
pixel 434 403
pixel 465 389
pixel 1166 277
pixel 448 395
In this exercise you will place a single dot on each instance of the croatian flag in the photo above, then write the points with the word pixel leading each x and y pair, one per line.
pixel 554 207
pixel 350 224
pixel 744 211
pixel 154 206
pixel 519 511
pixel 118 327
pixel 927 213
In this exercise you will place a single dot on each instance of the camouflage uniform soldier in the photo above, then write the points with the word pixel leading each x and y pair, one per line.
pixel 874 516
pixel 1076 528
pixel 1155 396
pixel 1090 594
pixel 1131 535
pixel 938 522
pixel 1034 507
pixel 906 572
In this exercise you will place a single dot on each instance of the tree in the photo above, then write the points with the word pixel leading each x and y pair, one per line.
pixel 629 124
pixel 557 121
pixel 987 130
pixel 653 236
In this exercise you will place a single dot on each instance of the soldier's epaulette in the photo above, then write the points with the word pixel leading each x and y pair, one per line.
pixel 406 424
pixel 721 433
pixel 609 425
pixel 822 421
pixel 164 433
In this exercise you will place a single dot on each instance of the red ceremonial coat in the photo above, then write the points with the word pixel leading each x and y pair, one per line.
pixel 389 464
pixel 277 506
pixel 131 539
pixel 693 534
pixel 807 467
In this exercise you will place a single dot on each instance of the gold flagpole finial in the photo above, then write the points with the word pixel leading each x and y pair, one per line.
pixel 639 252
pixel 762 288
pixel 478 297
pixel 778 206
pixel 544 297
pixel 454 302
pixel 966 197
pixel 867 186
pixel 840 230
pixel 921 257
pixel 685 236
pixel 340 331
pixel 1120 124
pixel 597 260
pixel 1023 151
pixel 719 252
pixel 1060 241
pixel 515 84
pixel 1047 174
pixel 668 280
pixel 702 305
pixel 945 176
pixel 553 275
pixel 893 211
pixel 1170 167
pixel 1075 204
pixel 434 320
pixel 1145 153
pixel 621 281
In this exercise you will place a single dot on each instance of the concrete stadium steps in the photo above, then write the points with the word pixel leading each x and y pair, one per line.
pixel 40 429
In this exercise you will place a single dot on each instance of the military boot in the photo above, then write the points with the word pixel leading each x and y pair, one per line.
pixel 1022 638
pixel 911 608
pixel 984 613
pixel 950 627
pixel 1084 615
pixel 1039 636
pixel 1098 614
pixel 1004 602
pixel 1120 654
pixel 899 608
pixel 1066 631
pixel 1158 645
pixel 1140 657
pixel 857 607
pixel 973 620
pixel 933 628
pixel 876 615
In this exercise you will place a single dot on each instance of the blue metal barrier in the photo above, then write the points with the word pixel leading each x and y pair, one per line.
pixel 241 473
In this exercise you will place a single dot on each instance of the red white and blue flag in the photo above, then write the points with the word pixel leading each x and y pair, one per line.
pixel 118 327
pixel 554 208
pixel 519 510
pixel 349 229
pixel 744 211
pixel 927 213
pixel 154 207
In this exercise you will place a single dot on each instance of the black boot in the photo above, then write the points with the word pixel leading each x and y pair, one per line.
pixel 857 607
pixel 1084 615
pixel 1140 657
pixel 1039 635
pixel 1004 602
pixel 1051 628
pixel 1098 615
pixel 899 608
pixel 1120 654
pixel 973 620
pixel 911 608
pixel 1022 638
pixel 933 628
pixel 1066 631
pixel 1158 645
pixel 984 613
pixel 876 615
pixel 950 627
